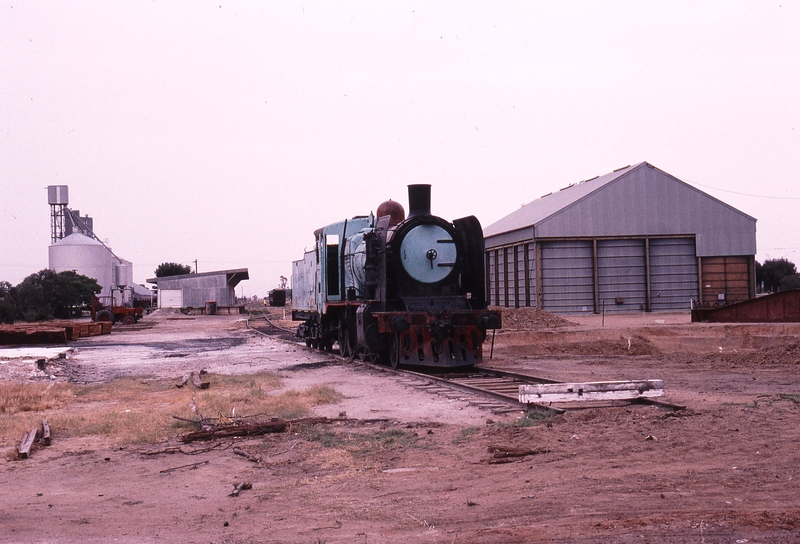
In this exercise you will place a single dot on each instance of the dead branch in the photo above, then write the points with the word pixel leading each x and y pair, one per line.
pixel 190 420
pixel 247 455
pixel 181 450
pixel 506 454
pixel 284 451
pixel 192 466
pixel 505 451
pixel 253 429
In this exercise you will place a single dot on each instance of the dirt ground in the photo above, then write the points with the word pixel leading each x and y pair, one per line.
pixel 720 471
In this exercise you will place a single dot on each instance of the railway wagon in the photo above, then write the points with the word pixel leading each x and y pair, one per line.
pixel 404 290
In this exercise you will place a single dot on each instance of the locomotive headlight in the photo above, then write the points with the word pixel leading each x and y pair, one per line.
pixel 428 253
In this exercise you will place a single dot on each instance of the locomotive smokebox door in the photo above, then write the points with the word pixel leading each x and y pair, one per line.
pixel 428 253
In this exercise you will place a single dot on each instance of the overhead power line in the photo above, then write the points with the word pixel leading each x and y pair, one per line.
pixel 744 194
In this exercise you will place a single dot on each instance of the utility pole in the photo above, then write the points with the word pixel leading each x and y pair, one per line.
pixel 195 266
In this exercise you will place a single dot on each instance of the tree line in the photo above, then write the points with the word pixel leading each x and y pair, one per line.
pixel 777 275
pixel 57 295
pixel 46 295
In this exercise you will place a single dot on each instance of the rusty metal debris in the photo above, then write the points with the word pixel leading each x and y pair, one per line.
pixel 783 307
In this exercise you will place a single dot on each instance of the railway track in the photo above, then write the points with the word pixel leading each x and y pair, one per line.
pixel 491 389
pixel 497 385
pixel 495 390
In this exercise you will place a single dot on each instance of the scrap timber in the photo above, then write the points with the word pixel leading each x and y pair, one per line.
pixel 41 434
pixel 53 332
pixel 590 391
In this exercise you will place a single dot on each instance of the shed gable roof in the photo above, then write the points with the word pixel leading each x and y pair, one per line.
pixel 538 211
pixel 638 200
pixel 232 277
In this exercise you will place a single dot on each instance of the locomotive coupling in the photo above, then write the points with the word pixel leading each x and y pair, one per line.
pixel 489 321
pixel 442 330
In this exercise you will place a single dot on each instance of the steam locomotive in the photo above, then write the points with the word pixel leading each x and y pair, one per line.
pixel 404 290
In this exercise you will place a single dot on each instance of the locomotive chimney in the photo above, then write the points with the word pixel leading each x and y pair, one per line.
pixel 419 200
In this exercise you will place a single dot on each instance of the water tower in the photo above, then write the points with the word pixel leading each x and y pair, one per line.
pixel 58 198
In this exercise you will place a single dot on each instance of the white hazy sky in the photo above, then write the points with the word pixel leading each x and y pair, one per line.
pixel 228 132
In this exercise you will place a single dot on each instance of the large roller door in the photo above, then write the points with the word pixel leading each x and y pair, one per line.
pixel 621 275
pixel 170 298
pixel 567 276
pixel 673 273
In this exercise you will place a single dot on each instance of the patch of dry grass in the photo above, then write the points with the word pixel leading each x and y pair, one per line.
pixel 140 410
pixel 33 397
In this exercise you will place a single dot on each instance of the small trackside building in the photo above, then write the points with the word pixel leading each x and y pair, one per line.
pixel 637 239
pixel 195 290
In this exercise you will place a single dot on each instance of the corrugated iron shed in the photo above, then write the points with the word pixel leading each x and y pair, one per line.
pixel 197 289
pixel 637 238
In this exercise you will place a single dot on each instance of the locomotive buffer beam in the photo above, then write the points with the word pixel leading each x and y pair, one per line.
pixel 449 339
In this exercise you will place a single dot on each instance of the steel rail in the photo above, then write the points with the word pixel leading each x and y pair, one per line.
pixel 509 381
pixel 499 385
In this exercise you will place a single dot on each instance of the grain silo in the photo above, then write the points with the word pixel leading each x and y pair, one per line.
pixel 91 258
pixel 82 252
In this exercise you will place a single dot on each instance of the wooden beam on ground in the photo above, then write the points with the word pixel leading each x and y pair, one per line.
pixel 27 442
pixel 590 391
pixel 45 432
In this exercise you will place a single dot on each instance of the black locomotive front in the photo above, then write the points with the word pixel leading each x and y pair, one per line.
pixel 429 305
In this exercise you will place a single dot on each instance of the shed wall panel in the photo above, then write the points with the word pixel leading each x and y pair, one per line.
pixel 673 274
pixel 567 276
pixel 621 274
pixel 530 249
pixel 726 279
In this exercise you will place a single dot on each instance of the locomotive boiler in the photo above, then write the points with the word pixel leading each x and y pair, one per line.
pixel 405 290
